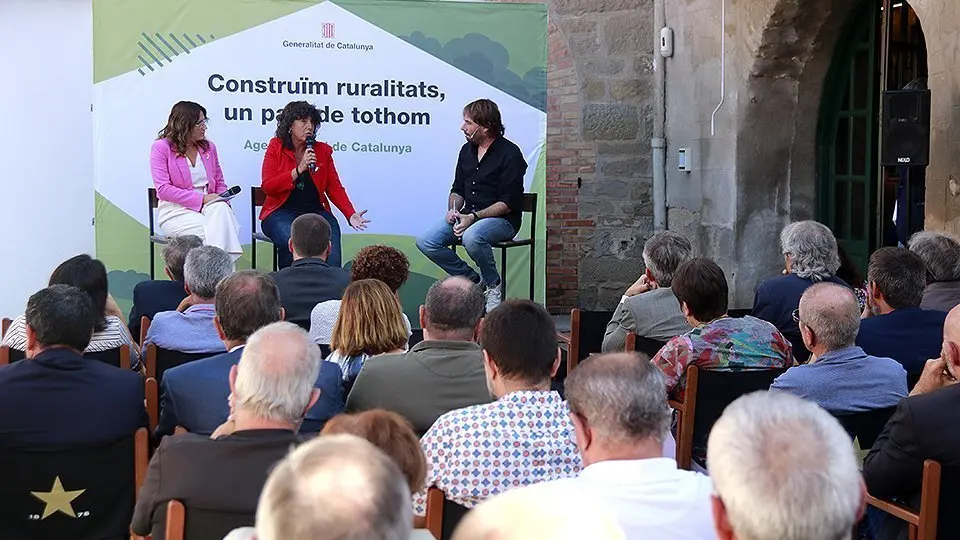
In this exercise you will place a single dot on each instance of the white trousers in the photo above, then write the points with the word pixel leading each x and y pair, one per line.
pixel 216 225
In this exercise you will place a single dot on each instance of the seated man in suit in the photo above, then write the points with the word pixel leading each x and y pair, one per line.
pixel 194 395
pixel 190 329
pixel 923 427
pixel 309 280
pixel 840 377
pixel 153 296
pixel 894 325
pixel 441 373
pixel 57 399
pixel 941 257
pixel 272 389
pixel 716 341
pixel 650 308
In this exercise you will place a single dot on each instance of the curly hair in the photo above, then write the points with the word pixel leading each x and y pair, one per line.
pixel 295 110
pixel 385 263
pixel 183 118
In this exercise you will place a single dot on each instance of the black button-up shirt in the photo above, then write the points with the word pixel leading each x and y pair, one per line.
pixel 498 177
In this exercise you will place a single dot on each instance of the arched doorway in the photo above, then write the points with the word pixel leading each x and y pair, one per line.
pixel 882 48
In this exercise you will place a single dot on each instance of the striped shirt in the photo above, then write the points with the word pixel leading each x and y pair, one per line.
pixel 114 335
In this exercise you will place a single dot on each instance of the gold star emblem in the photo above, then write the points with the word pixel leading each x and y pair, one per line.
pixel 57 500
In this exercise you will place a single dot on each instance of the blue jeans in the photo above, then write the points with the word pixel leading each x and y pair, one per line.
pixel 477 240
pixel 277 227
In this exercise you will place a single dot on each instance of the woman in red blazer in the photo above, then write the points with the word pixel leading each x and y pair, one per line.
pixel 301 179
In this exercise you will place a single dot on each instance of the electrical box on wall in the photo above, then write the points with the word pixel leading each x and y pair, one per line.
pixel 683 160
pixel 666 42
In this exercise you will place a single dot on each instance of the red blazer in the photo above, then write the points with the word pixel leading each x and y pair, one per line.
pixel 278 162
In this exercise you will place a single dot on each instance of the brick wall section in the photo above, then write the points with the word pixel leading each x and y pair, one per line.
pixel 568 159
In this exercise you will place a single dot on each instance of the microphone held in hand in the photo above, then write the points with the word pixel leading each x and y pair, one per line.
pixel 230 192
pixel 310 140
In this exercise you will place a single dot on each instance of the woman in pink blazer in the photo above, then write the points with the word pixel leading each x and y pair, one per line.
pixel 186 172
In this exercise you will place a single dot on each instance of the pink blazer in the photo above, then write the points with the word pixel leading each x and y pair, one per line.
pixel 171 175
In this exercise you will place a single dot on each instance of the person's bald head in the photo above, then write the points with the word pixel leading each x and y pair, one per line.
pixel 829 317
pixel 538 512
pixel 335 486
pixel 275 378
pixel 452 309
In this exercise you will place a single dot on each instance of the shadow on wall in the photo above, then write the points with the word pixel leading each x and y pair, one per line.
pixel 488 61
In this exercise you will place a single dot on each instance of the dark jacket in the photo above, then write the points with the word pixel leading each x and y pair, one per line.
pixel 306 283
pixel 910 336
pixel 194 395
pixel 923 427
pixel 225 475
pixel 941 296
pixel 775 301
pixel 60 400
pixel 152 297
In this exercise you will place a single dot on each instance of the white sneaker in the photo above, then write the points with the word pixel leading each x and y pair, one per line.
pixel 493 295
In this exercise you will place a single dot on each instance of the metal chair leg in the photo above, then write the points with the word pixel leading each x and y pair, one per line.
pixel 276 258
pixel 253 251
pixel 503 271
pixel 152 256
pixel 533 252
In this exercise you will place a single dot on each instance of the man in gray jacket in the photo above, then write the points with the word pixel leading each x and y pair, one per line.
pixel 649 308
pixel 441 373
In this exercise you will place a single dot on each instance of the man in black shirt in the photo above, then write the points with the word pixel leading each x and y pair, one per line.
pixel 485 202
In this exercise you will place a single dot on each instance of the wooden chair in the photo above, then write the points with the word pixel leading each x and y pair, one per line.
pixel 158 360
pixel 645 345
pixel 151 393
pixel 257 197
pixel 529 207
pixel 442 515
pixel 586 334
pixel 144 326
pixel 922 525
pixel 707 394
pixel 202 524
pixel 4 325
pixel 152 203
pixel 865 426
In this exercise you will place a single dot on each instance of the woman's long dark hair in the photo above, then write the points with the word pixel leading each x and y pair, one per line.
pixel 295 110
pixel 183 118
pixel 86 273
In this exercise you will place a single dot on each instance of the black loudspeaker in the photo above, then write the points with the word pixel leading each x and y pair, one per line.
pixel 906 128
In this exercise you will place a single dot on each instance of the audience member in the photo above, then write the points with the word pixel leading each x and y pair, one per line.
pixel 810 254
pixel 337 486
pixel 59 400
pixel 782 469
pixel 272 390
pixel 941 257
pixel 539 512
pixel 441 373
pixel 190 329
pixel 716 341
pixel 153 296
pixel 840 377
pixel 392 434
pixel 109 332
pixel 620 417
pixel 894 325
pixel 523 437
pixel 924 426
pixel 370 323
pixel 650 308
pixel 384 263
pixel 851 275
pixel 194 395
pixel 309 280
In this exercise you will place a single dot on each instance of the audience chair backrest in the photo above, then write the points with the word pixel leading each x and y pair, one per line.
pixel 416 336
pixel 738 313
pixel 119 356
pixel 151 393
pixel 922 524
pixel 645 345
pixel 78 494
pixel 865 426
pixel 442 515
pixel 182 523
pixel 4 325
pixel 158 360
pixel 586 334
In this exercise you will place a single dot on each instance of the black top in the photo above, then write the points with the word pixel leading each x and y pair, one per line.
pixel 497 178
pixel 304 198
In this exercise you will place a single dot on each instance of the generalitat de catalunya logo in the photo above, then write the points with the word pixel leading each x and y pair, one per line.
pixel 328 30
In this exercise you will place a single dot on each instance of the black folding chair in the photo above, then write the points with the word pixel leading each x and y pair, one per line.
pixel 80 493
pixel 586 334
pixel 865 426
pixel 416 336
pixel 119 356
pixel 152 203
pixel 257 197
pixel 182 523
pixel 645 345
pixel 707 394
pixel 159 360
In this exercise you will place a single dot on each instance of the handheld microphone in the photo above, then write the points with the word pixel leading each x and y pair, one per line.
pixel 230 192
pixel 310 142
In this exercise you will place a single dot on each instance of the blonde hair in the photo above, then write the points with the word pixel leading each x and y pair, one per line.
pixel 370 321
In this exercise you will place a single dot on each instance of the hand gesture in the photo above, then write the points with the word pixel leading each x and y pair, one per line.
pixel 308 159
pixel 934 377
pixel 641 286
pixel 210 197
pixel 466 220
pixel 358 222
pixel 452 216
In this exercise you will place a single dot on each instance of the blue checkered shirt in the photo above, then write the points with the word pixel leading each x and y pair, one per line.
pixel 477 452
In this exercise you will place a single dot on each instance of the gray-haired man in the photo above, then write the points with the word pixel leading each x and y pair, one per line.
pixel 618 404
pixel 191 330
pixel 156 295
pixel 649 308
pixel 941 257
